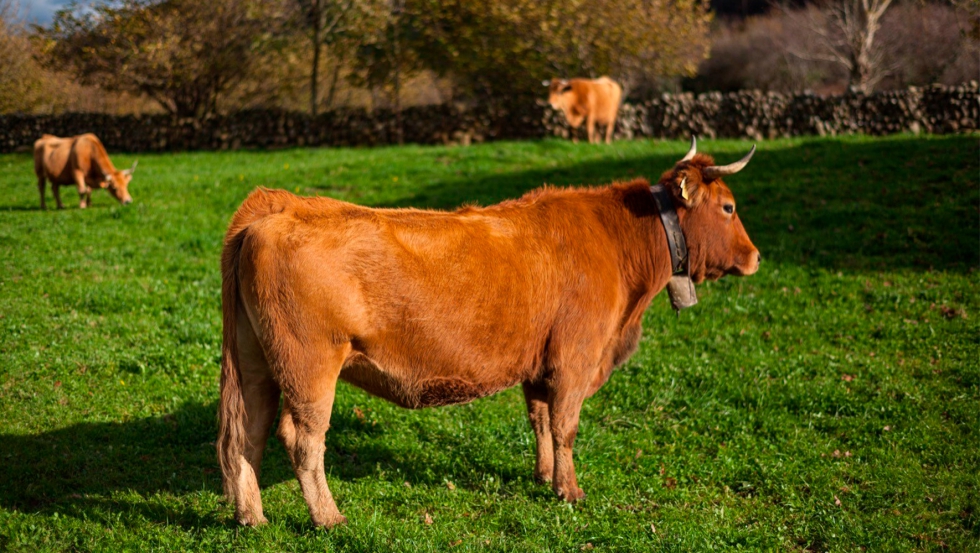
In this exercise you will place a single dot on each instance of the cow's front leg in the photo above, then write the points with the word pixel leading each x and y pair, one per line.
pixel 83 189
pixel 564 408
pixel 536 397
pixel 590 127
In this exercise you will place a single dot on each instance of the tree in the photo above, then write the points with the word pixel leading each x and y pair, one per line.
pixel 21 82
pixel 847 31
pixel 324 20
pixel 388 49
pixel 501 50
pixel 184 54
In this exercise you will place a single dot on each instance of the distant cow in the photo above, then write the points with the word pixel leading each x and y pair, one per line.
pixel 593 101
pixel 80 161
pixel 426 308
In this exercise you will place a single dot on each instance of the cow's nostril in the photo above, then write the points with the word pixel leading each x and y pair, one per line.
pixel 127 202
pixel 759 255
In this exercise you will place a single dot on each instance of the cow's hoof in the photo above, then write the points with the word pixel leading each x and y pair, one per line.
pixel 251 520
pixel 330 522
pixel 542 478
pixel 572 495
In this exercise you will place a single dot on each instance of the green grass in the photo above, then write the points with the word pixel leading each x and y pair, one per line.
pixel 830 402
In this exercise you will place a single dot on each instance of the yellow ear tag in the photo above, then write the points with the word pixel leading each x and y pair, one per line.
pixel 683 189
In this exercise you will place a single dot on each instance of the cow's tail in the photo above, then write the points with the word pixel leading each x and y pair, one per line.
pixel 231 407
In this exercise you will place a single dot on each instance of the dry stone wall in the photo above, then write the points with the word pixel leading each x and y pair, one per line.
pixel 747 114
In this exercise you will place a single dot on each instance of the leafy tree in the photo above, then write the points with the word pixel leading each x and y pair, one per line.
pixel 388 48
pixel 505 48
pixel 184 54
pixel 324 22
pixel 21 82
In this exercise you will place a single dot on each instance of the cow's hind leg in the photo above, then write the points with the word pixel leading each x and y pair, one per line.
pixel 57 195
pixel 536 398
pixel 303 426
pixel 609 131
pixel 261 401
pixel 40 188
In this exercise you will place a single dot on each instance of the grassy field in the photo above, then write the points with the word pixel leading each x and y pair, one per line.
pixel 830 402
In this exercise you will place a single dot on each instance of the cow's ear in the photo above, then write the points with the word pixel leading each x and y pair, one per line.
pixel 687 189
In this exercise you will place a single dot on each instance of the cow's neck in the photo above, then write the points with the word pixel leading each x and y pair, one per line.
pixel 647 262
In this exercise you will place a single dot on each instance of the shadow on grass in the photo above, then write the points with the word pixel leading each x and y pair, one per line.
pixel 88 468
pixel 134 470
pixel 23 208
pixel 52 208
pixel 892 204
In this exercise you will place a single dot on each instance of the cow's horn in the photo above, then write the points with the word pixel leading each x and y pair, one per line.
pixel 690 153
pixel 133 168
pixel 546 83
pixel 730 169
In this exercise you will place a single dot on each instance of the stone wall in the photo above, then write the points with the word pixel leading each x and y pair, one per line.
pixel 748 114
pixel 760 115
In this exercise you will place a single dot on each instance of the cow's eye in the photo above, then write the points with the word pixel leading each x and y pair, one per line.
pixel 729 209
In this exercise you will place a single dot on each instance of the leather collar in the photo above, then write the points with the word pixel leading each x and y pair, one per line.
pixel 680 287
pixel 675 236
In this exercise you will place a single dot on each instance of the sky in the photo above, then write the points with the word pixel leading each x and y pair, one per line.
pixel 41 12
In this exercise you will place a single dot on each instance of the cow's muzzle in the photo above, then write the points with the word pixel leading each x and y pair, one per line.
pixel 749 266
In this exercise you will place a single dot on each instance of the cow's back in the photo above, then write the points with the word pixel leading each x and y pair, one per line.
pixel 608 97
pixel 52 156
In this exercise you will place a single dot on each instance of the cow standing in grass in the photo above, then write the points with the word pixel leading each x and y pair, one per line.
pixel 595 101
pixel 427 308
pixel 80 161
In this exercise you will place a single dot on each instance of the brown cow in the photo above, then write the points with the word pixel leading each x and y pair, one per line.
pixel 427 308
pixel 592 101
pixel 80 161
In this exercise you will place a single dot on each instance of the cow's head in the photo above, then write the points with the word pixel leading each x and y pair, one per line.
pixel 118 184
pixel 557 87
pixel 716 240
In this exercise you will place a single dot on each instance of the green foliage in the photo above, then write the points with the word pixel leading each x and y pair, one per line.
pixel 499 51
pixel 184 54
pixel 828 403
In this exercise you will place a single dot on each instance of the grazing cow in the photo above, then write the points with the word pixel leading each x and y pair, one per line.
pixel 592 101
pixel 81 161
pixel 426 308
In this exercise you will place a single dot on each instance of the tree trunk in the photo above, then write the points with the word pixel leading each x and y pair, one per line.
pixel 860 20
pixel 861 72
pixel 315 70
pixel 399 135
pixel 333 83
